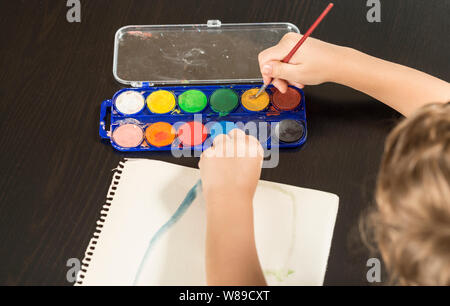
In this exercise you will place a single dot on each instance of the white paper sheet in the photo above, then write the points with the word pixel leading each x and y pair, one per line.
pixel 293 230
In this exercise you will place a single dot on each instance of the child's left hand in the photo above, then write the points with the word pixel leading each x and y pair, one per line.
pixel 230 171
pixel 233 164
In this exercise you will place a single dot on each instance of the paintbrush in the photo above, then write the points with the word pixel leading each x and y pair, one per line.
pixel 297 46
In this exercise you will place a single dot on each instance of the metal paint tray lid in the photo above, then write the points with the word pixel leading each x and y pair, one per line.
pixel 212 53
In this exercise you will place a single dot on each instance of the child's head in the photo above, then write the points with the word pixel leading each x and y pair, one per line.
pixel 413 197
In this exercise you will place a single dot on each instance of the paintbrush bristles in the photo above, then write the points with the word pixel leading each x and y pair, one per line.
pixel 261 89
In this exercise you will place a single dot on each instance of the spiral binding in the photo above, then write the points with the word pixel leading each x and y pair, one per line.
pixel 100 222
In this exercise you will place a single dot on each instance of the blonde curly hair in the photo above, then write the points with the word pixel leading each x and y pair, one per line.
pixel 412 219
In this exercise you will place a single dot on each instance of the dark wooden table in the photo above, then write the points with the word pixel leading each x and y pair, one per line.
pixel 55 171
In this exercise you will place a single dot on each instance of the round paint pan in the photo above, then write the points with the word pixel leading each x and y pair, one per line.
pixel 224 101
pixel 192 134
pixel 289 131
pixel 161 102
pixel 255 104
pixel 286 101
pixel 129 102
pixel 192 101
pixel 128 135
pixel 160 134
pixel 221 127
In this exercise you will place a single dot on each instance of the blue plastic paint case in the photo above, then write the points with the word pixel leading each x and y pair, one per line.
pixel 214 55
pixel 240 115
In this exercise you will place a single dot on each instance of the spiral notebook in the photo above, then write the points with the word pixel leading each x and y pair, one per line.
pixel 293 230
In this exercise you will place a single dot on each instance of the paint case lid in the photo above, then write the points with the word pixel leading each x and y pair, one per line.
pixel 212 53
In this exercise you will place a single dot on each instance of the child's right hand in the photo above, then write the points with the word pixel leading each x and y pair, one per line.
pixel 316 62
pixel 312 64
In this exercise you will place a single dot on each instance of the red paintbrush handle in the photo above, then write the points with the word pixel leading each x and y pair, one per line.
pixel 308 33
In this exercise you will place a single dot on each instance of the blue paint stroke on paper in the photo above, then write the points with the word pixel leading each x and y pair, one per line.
pixel 188 200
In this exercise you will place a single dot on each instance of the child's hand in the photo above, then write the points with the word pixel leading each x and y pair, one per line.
pixel 312 64
pixel 231 168
pixel 230 171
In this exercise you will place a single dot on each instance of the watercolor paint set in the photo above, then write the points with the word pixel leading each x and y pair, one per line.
pixel 190 83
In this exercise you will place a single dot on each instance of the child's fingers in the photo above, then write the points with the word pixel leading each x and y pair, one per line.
pixel 279 70
pixel 280 84
pixel 255 146
pixel 238 143
pixel 275 53
pixel 239 135
pixel 210 152
pixel 279 51
pixel 220 140
pixel 296 84
pixel 267 79
pixel 246 145
pixel 266 72
pixel 235 133
pixel 235 144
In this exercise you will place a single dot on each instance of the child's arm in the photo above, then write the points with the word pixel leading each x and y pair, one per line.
pixel 229 184
pixel 402 88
